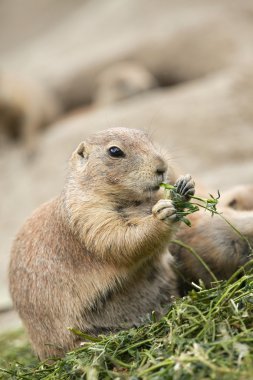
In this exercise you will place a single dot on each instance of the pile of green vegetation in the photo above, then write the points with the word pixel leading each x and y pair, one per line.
pixel 206 335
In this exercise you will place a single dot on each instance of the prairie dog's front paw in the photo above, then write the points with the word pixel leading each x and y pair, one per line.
pixel 185 186
pixel 164 210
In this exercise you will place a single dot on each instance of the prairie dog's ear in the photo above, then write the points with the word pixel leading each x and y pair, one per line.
pixel 82 151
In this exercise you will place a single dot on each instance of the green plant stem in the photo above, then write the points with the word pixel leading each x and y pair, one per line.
pixel 196 255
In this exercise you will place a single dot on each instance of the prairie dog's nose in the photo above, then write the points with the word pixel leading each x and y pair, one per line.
pixel 160 172
pixel 161 167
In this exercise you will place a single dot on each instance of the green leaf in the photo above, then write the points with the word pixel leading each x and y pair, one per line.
pixel 83 335
pixel 186 221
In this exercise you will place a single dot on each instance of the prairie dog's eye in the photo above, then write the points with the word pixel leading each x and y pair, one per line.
pixel 114 151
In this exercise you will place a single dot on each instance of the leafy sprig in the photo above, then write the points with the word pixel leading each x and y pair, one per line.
pixel 186 207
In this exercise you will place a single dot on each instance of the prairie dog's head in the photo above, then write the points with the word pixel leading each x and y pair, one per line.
pixel 120 162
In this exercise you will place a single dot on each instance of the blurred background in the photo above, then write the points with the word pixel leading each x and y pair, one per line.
pixel 183 70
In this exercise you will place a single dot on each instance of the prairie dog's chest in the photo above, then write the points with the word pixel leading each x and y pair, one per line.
pixel 151 287
pixel 136 210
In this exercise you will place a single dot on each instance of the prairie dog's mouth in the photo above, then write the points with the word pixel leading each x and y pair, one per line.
pixel 152 188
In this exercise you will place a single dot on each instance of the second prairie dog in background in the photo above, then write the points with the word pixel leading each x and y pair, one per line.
pixel 238 198
pixel 96 257
pixel 215 241
pixel 122 80
pixel 221 248
pixel 25 108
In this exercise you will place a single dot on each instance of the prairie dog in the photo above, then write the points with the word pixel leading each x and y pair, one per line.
pixel 215 241
pixel 96 257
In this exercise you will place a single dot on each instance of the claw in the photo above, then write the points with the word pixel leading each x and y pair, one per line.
pixel 185 186
pixel 164 210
